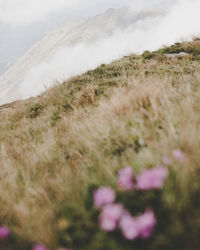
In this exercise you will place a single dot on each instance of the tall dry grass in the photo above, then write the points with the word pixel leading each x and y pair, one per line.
pixel 152 109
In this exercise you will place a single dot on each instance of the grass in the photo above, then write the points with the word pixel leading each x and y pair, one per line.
pixel 130 112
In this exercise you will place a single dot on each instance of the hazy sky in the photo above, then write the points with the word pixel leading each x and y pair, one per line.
pixel 24 12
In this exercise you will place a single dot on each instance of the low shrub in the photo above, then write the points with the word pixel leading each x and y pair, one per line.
pixel 34 110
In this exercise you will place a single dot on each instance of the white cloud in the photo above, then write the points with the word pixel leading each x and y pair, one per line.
pixel 24 12
pixel 19 12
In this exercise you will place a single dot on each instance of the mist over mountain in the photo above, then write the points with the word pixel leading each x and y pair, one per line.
pixel 75 33
pixel 84 43
pixel 15 41
pixel 21 28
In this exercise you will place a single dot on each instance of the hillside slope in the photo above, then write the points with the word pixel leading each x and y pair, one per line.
pixel 77 135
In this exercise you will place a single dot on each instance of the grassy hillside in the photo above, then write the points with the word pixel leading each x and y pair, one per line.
pixel 57 148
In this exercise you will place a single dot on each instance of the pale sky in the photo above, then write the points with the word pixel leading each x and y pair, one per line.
pixel 25 12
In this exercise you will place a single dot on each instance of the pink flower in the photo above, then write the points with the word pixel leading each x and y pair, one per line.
pixel 110 217
pixel 4 232
pixel 167 161
pixel 152 179
pixel 146 224
pixel 129 227
pixel 140 226
pixel 178 155
pixel 125 179
pixel 103 196
pixel 39 247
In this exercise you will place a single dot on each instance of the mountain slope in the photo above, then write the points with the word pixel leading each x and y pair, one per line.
pixel 78 135
pixel 15 41
pixel 43 49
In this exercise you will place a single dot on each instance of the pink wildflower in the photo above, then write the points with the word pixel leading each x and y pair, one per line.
pixel 4 232
pixel 167 161
pixel 110 217
pixel 129 227
pixel 39 247
pixel 146 223
pixel 103 196
pixel 140 226
pixel 178 155
pixel 152 179
pixel 125 179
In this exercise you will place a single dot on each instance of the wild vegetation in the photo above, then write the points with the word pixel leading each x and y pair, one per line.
pixel 57 149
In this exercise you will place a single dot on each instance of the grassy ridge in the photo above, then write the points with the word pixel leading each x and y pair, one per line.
pixel 131 112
